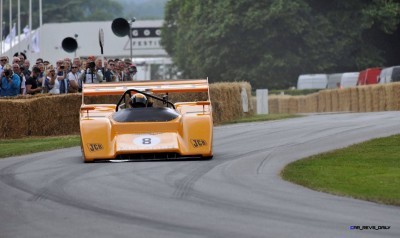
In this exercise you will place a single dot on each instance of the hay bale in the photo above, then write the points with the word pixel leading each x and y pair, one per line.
pixel 228 94
pixel 362 98
pixel 344 99
pixel 354 104
pixel 334 100
pixel 55 115
pixel 312 102
pixel 378 98
pixel 302 104
pixel 14 119
pixel 273 105
pixel 284 104
pixel 368 98
pixel 396 96
pixel 293 105
pixel 322 101
pixel 389 97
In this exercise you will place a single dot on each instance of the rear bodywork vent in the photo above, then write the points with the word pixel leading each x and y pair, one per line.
pixel 155 156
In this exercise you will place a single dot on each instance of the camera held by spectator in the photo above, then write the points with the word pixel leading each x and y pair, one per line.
pixel 91 65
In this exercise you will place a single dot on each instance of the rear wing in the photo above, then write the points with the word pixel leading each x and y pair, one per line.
pixel 164 86
pixel 154 86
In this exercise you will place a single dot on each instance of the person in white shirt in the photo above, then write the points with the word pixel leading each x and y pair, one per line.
pixel 54 83
pixel 91 75
pixel 73 79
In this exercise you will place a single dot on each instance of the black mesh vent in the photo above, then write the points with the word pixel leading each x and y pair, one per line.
pixel 155 156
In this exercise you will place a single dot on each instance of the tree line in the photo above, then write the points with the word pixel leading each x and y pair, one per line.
pixel 270 42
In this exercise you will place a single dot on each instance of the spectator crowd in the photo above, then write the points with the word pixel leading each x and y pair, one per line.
pixel 18 77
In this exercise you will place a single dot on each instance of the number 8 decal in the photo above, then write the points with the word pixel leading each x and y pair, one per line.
pixel 146 141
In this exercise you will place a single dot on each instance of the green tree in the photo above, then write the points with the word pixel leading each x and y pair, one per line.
pixel 271 42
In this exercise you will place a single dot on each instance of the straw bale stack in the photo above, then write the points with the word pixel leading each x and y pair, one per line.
pixel 334 100
pixel 302 105
pixel 312 102
pixel 389 97
pixel 284 104
pixel 344 96
pixel 108 99
pixel 54 115
pixel 293 105
pixel 14 118
pixel 273 104
pixel 396 96
pixel 230 104
pixel 362 105
pixel 354 97
pixel 324 101
pixel 368 98
pixel 378 98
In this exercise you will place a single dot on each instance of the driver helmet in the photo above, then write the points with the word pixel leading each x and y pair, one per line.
pixel 138 100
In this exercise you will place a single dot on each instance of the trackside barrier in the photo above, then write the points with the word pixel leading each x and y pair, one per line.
pixel 369 98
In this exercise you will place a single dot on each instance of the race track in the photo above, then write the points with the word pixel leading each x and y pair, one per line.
pixel 237 194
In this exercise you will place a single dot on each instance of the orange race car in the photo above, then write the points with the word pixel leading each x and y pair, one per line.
pixel 134 129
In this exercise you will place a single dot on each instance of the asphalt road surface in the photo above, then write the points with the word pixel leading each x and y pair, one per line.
pixel 237 194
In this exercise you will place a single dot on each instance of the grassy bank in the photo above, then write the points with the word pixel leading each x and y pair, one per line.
pixel 36 144
pixel 368 171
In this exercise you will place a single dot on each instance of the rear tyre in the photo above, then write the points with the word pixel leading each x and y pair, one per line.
pixel 208 157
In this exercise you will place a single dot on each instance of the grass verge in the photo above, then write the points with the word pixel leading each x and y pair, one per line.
pixel 368 171
pixel 36 144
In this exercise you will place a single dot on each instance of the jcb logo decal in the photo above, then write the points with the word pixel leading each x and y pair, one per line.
pixel 198 143
pixel 95 147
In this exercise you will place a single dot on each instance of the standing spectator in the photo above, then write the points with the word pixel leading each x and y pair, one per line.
pixel 17 71
pixel 110 73
pixel 73 79
pixel 99 65
pixel 122 71
pixel 54 83
pixel 3 61
pixel 39 60
pixel 58 64
pixel 62 77
pixel 132 70
pixel 117 71
pixel 67 64
pixel 77 61
pixel 10 82
pixel 91 75
pixel 42 77
pixel 16 60
pixel 22 58
pixel 33 85
pixel 46 63
pixel 26 70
